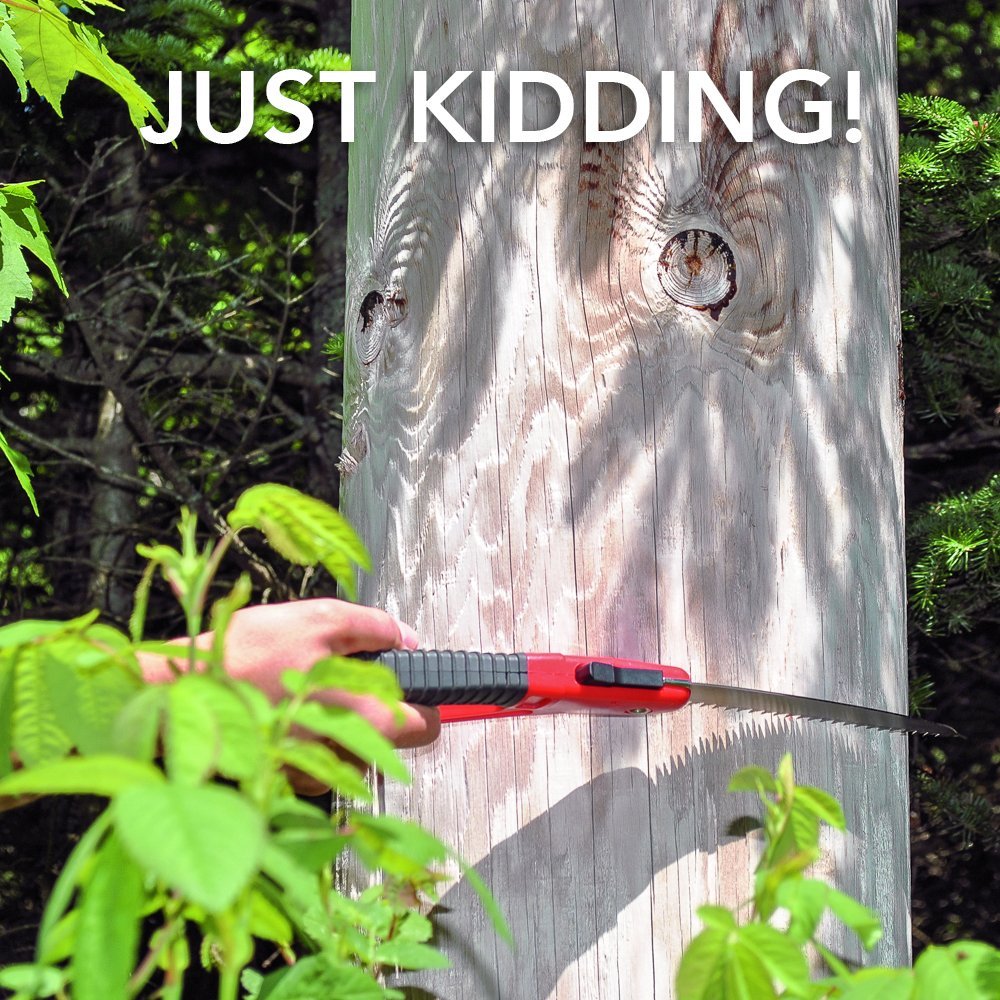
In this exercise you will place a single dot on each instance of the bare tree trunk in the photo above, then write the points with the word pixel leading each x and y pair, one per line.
pixel 113 510
pixel 636 399
pixel 328 250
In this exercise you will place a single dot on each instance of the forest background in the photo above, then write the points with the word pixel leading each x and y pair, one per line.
pixel 198 352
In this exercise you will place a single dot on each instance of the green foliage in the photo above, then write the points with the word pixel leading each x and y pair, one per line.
pixel 957 576
pixel 44 48
pixel 950 205
pixel 203 830
pixel 47 48
pixel 763 958
pixel 305 531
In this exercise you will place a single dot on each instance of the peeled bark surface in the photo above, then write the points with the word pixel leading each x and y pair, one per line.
pixel 634 399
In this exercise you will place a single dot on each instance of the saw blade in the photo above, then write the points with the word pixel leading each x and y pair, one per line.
pixel 799 706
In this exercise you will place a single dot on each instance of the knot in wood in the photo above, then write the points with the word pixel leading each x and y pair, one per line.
pixel 697 269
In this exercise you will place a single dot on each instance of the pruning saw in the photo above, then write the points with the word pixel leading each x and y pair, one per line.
pixel 469 685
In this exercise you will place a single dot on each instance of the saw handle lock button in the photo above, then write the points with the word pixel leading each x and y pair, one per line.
pixel 608 675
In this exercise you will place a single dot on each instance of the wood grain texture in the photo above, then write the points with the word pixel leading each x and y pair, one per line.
pixel 546 450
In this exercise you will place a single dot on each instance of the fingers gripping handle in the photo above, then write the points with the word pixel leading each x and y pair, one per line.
pixel 456 677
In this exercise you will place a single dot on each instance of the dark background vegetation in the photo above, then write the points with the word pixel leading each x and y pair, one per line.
pixel 193 359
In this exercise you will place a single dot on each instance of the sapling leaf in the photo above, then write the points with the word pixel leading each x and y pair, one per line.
pixel 299 885
pixel 34 980
pixel 321 763
pixel 400 849
pixel 6 716
pixel 268 922
pixel 354 734
pixel 65 885
pixel 876 984
pixel 864 922
pixel 191 737
pixel 222 612
pixel 753 779
pixel 241 750
pixel 100 774
pixel 136 729
pixel 315 977
pixel 205 842
pixel 488 902
pixel 823 806
pixel 700 973
pixel 37 735
pixel 304 530
pixel 312 850
pixel 410 955
pixel 107 933
pixel 87 697
pixel 137 620
pixel 786 778
pixel 966 969
pixel 805 899
pixel 356 677
pixel 782 957
pixel 717 918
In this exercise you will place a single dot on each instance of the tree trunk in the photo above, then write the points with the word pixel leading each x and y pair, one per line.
pixel 637 399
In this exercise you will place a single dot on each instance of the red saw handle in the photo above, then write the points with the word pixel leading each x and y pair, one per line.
pixel 469 686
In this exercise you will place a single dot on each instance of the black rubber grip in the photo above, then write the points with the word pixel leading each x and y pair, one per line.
pixel 455 677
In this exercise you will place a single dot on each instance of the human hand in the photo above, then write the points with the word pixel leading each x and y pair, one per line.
pixel 264 640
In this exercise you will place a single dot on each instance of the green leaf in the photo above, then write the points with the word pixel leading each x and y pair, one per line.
pixel 753 779
pixel 300 885
pixel 210 729
pixel 354 734
pixel 268 922
pixel 321 763
pixel 356 677
pixel 107 934
pixel 241 747
pixel 823 806
pixel 87 699
pixel 32 980
pixel 782 957
pixel 205 842
pixel 38 736
pixel 136 729
pixel 6 716
pixel 21 229
pixel 877 984
pixel 396 846
pixel 805 899
pixel 191 740
pixel 18 462
pixel 489 903
pixel 101 774
pixel 718 918
pixel 313 849
pixel 966 969
pixel 54 49
pixel 32 630
pixel 699 975
pixel 410 955
pixel 864 922
pixel 304 530
pixel 317 976
pixel 62 892
pixel 10 53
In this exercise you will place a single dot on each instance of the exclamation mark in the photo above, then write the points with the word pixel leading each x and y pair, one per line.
pixel 853 104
